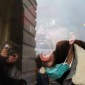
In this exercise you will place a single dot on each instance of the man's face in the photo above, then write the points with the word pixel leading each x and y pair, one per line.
pixel 4 52
pixel 47 60
pixel 13 58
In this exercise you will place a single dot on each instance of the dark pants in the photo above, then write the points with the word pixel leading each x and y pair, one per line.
pixel 42 79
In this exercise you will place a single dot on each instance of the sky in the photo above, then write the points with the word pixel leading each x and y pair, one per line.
pixel 60 17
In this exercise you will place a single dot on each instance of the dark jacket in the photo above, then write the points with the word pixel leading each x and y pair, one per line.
pixel 5 79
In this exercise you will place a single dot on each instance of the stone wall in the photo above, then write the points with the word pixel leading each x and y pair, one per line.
pixel 28 52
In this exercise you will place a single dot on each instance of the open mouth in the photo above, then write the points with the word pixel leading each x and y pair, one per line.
pixel 45 58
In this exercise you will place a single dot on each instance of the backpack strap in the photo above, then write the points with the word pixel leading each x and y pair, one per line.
pixel 69 58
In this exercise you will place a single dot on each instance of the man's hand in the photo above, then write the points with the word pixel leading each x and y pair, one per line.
pixel 71 38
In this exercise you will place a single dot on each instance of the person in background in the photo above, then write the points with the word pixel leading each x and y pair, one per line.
pixel 9 55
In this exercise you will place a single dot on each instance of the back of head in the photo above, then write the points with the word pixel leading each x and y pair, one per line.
pixel 61 51
pixel 9 44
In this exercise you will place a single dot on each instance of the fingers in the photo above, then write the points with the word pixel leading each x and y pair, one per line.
pixel 71 42
pixel 71 38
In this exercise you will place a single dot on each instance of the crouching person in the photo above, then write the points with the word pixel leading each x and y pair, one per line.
pixel 54 74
